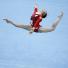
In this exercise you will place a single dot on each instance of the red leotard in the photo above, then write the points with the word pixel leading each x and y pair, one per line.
pixel 36 19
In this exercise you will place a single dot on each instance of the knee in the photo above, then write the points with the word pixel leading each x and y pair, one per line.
pixel 53 29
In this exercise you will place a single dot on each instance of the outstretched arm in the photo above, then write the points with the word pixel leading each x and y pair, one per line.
pixel 27 27
pixel 53 26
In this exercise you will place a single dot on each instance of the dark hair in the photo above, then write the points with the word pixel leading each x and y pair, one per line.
pixel 44 14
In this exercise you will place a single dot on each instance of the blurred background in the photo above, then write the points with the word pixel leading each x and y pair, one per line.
pixel 18 49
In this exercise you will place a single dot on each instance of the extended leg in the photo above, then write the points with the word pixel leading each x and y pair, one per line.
pixel 27 27
pixel 53 26
pixel 8 21
pixel 56 22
